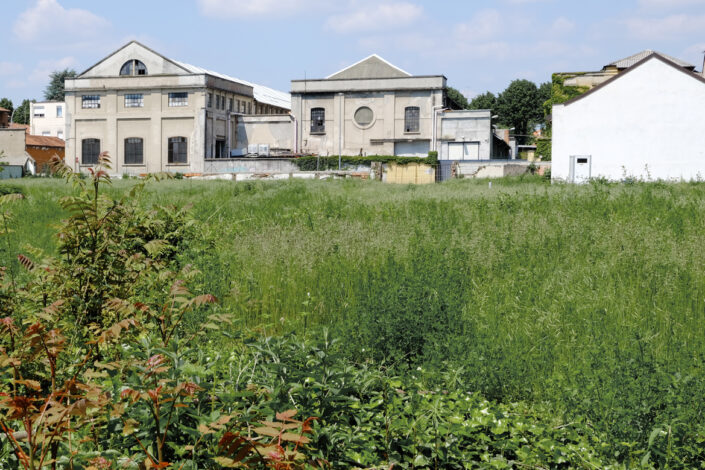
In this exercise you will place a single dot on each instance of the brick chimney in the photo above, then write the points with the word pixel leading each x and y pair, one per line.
pixel 4 117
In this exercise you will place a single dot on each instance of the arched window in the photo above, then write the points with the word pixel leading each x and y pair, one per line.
pixel 411 119
pixel 133 67
pixel 90 149
pixel 318 120
pixel 178 150
pixel 134 151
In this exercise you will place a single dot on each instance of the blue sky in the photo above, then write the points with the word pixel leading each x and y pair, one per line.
pixel 478 44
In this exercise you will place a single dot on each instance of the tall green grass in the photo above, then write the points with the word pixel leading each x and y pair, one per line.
pixel 590 299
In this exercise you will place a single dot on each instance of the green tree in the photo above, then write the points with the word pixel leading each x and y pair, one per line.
pixel 458 98
pixel 55 90
pixel 520 106
pixel 7 104
pixel 22 113
pixel 484 101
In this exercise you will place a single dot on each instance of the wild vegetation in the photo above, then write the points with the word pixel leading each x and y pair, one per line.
pixel 525 325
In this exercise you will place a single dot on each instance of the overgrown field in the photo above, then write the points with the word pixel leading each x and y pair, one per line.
pixel 587 303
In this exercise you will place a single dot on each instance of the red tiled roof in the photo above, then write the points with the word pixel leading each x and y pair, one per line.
pixel 44 141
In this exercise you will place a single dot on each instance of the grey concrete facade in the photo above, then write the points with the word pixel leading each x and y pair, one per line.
pixel 364 111
pixel 466 135
pixel 158 101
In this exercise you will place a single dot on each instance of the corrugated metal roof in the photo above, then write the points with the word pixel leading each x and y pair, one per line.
pixel 633 59
pixel 261 93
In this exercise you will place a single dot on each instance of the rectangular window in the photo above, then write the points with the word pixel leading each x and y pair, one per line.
pixel 90 102
pixel 46 133
pixel 230 105
pixel 318 121
pixel 39 111
pixel 411 119
pixel 217 101
pixel 178 150
pixel 134 101
pixel 90 149
pixel 209 104
pixel 133 151
pixel 178 99
pixel 60 135
pixel 220 149
pixel 59 111
pixel 249 108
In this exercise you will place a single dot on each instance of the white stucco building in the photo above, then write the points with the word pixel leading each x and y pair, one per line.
pixel 647 122
pixel 47 119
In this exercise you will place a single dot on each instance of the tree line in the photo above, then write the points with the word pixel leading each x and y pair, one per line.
pixel 53 92
pixel 519 106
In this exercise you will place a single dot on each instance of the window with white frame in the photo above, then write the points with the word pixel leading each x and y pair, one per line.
pixel 178 99
pixel 134 100
pixel 90 101
pixel 39 111
pixel 59 111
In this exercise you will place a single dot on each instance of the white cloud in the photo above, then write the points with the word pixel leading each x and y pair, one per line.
pixel 382 16
pixel 10 68
pixel 44 68
pixel 669 4
pixel 671 26
pixel 485 24
pixel 50 25
pixel 246 8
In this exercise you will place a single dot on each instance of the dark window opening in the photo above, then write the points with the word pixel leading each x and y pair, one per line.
pixel 178 150
pixel 582 160
pixel 133 67
pixel 318 120
pixel 220 149
pixel 134 154
pixel 90 150
pixel 411 119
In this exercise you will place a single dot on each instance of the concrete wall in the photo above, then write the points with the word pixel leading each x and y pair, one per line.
pixel 12 143
pixel 377 138
pixel 251 165
pixel 466 126
pixel 645 124
pixel 51 123
pixel 277 131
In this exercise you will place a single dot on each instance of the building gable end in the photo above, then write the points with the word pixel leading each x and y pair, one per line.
pixel 371 67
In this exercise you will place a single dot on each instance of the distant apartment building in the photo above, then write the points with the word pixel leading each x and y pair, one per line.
pixel 155 114
pixel 48 119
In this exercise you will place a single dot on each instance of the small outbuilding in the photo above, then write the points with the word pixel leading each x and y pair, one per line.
pixel 648 122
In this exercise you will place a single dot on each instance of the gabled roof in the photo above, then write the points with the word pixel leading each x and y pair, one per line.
pixel 652 56
pixel 638 57
pixel 261 93
pixel 5 110
pixel 370 67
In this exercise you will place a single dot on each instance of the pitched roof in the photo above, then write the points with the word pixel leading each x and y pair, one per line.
pixel 6 110
pixel 372 66
pixel 638 57
pixel 261 93
pixel 44 141
pixel 653 56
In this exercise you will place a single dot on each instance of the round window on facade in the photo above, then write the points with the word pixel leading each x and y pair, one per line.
pixel 364 116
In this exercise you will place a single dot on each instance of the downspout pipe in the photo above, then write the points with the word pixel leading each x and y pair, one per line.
pixel 296 133
pixel 434 133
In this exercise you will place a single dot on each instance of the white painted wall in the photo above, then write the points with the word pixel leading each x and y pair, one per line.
pixel 649 123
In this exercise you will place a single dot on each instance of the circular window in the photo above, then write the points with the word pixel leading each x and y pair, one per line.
pixel 364 116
